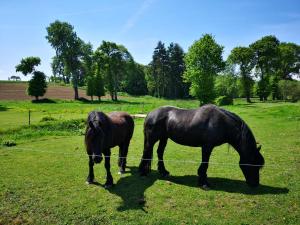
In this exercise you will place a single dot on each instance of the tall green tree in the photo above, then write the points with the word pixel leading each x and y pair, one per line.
pixel 86 63
pixel 99 85
pixel 176 87
pixel 159 70
pixel 289 60
pixel 95 84
pixel 57 66
pixel 226 83
pixel 203 61
pixel 91 87
pixel 135 82
pixel 27 65
pixel 243 57
pixel 112 59
pixel 69 48
pixel 266 60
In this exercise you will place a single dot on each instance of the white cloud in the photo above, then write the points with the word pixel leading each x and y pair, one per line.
pixel 137 15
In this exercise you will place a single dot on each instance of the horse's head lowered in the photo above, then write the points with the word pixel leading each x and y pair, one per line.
pixel 251 160
pixel 94 140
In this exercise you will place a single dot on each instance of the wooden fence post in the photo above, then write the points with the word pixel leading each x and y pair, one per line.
pixel 29 117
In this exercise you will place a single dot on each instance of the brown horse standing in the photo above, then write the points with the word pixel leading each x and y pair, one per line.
pixel 104 132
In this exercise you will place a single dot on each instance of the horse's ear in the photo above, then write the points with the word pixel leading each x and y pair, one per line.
pixel 259 147
pixel 91 125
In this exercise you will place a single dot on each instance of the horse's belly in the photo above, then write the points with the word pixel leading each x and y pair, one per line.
pixel 185 139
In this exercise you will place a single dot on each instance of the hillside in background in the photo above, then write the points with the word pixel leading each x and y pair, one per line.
pixel 17 91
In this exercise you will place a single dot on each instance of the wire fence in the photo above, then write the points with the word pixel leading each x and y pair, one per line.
pixel 274 165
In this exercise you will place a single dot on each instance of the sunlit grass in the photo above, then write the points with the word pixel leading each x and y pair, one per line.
pixel 42 178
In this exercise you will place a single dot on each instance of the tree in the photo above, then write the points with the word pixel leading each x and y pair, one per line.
pixel 159 70
pixel 90 89
pixel 266 61
pixel 290 89
pixel 58 70
pixel 112 60
pixel 176 88
pixel 226 85
pixel 37 85
pixel 203 61
pixel 27 65
pixel 86 65
pixel 289 60
pixel 95 85
pixel 135 83
pixel 99 84
pixel 243 57
pixel 69 49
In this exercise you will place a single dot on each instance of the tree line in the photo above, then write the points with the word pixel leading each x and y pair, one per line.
pixel 263 69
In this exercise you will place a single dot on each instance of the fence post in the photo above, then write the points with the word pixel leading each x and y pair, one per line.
pixel 29 117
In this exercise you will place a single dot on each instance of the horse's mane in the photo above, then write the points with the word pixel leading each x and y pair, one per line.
pixel 246 137
pixel 96 123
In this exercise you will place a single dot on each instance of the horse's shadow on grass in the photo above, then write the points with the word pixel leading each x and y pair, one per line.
pixel 132 188
pixel 227 185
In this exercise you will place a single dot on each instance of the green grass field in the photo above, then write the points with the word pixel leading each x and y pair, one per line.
pixel 42 178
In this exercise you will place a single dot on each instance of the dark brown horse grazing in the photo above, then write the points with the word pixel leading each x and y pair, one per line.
pixel 104 132
pixel 207 126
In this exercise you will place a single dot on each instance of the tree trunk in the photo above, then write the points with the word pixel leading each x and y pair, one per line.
pixel 248 99
pixel 76 96
pixel 92 98
pixel 36 98
pixel 99 98
pixel 75 86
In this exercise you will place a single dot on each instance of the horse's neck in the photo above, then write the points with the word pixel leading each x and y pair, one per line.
pixel 247 143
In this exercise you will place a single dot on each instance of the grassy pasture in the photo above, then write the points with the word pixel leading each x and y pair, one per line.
pixel 42 179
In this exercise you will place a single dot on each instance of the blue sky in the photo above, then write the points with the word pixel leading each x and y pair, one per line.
pixel 139 25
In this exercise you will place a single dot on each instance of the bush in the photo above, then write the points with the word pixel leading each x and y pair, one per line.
pixel 47 118
pixel 224 100
pixel 226 85
pixel 290 90
pixel 9 143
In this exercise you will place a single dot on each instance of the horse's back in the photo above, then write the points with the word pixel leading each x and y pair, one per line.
pixel 195 127
pixel 122 126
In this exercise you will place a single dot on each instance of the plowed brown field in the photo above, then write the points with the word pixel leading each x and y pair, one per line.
pixel 17 91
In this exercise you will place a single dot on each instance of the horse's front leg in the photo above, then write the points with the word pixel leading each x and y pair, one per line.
pixel 90 178
pixel 202 179
pixel 123 151
pixel 109 179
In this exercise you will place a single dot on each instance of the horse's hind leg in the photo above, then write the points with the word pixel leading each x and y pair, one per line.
pixel 90 178
pixel 123 151
pixel 145 164
pixel 202 179
pixel 160 153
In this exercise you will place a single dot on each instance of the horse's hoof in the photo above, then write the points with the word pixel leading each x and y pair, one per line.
pixel 89 182
pixel 205 187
